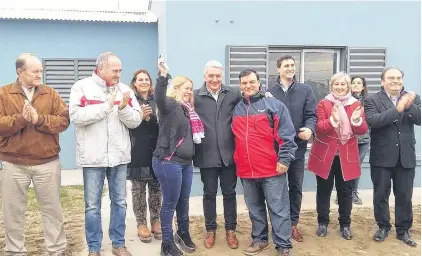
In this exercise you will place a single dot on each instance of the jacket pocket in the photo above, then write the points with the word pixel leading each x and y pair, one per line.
pixel 352 152
pixel 320 149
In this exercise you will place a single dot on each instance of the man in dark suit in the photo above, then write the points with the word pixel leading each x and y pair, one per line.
pixel 214 103
pixel 392 114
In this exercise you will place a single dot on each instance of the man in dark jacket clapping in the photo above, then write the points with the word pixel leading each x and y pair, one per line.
pixel 392 115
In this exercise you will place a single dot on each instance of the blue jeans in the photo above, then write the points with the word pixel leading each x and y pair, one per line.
pixel 93 190
pixel 363 150
pixel 273 191
pixel 176 182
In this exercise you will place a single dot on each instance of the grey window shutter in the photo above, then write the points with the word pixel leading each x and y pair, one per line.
pixel 367 62
pixel 246 57
pixel 61 74
pixel 85 68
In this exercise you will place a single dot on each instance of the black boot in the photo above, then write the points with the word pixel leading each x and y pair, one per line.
pixel 184 241
pixel 170 249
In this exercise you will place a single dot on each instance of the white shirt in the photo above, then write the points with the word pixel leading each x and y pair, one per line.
pixel 393 99
pixel 285 88
pixel 214 95
pixel 28 92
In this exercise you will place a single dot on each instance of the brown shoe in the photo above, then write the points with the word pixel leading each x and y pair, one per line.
pixel 144 234
pixel 94 254
pixel 156 230
pixel 283 252
pixel 255 248
pixel 232 239
pixel 209 239
pixel 122 251
pixel 297 236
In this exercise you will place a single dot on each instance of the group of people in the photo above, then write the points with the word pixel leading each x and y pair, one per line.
pixel 154 136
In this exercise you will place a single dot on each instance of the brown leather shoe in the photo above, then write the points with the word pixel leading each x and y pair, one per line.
pixel 209 239
pixel 122 251
pixel 255 248
pixel 156 230
pixel 232 239
pixel 297 236
pixel 144 234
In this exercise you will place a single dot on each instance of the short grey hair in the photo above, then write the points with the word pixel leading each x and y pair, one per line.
pixel 340 75
pixel 385 70
pixel 103 59
pixel 21 60
pixel 213 64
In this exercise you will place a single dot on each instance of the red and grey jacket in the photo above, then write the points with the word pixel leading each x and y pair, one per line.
pixel 264 135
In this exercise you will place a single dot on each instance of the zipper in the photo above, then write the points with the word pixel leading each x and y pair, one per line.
pixel 247 135
pixel 177 145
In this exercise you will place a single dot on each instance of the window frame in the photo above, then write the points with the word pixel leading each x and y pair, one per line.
pixel 341 64
pixel 302 49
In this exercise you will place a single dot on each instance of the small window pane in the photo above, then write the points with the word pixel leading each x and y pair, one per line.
pixel 318 69
pixel 272 65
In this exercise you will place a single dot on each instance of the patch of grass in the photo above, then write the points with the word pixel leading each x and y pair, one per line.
pixel 73 204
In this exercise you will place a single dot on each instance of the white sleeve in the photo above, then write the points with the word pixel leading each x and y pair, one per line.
pixel 131 116
pixel 84 115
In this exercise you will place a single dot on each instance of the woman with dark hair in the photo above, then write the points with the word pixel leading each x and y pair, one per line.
pixel 359 92
pixel 144 140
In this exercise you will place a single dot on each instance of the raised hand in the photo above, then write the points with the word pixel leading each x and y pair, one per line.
pixel 125 100
pixel 357 113
pixel 27 112
pixel 334 114
pixel 111 97
pixel 412 97
pixel 146 112
pixel 162 67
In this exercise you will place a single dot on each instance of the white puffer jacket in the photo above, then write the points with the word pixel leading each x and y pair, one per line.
pixel 102 135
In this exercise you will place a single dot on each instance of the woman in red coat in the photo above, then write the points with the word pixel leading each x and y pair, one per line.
pixel 334 154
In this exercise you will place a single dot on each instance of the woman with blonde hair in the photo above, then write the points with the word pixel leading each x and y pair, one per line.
pixel 143 140
pixel 180 128
pixel 334 154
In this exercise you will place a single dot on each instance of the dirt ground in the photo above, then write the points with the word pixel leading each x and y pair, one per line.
pixel 73 208
pixel 363 227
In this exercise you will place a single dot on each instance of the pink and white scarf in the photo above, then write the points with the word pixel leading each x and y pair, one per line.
pixel 198 132
pixel 344 130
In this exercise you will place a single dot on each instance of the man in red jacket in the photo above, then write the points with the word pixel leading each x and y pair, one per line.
pixel 264 139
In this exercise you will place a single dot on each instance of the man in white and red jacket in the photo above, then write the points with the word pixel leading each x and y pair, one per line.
pixel 264 139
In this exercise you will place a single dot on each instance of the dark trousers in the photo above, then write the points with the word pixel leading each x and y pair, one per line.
pixel 295 175
pixel 344 192
pixel 176 182
pixel 363 150
pixel 228 181
pixel 273 191
pixel 403 190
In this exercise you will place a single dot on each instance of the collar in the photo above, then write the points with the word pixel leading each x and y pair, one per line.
pixel 101 82
pixel 212 92
pixel 390 97
pixel 17 88
pixel 253 98
pixel 204 90
pixel 290 86
pixel 140 98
